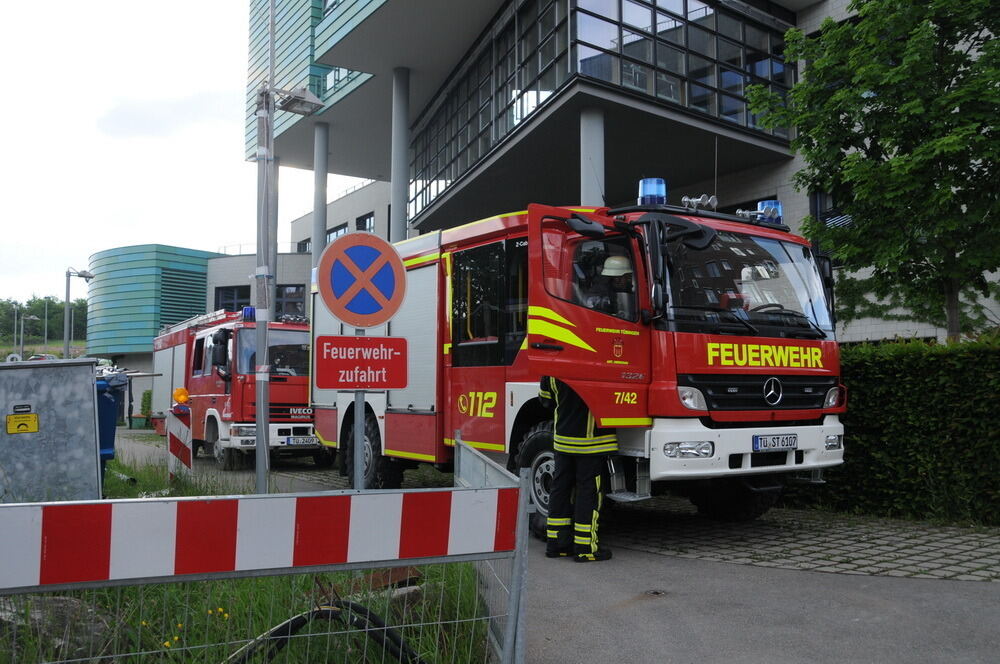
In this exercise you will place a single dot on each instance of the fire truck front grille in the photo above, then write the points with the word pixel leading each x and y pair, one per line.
pixel 741 392
pixel 283 411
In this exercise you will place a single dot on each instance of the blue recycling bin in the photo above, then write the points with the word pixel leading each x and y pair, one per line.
pixel 110 392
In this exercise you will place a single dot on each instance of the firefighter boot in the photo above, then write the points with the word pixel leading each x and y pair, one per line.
pixel 588 556
pixel 557 543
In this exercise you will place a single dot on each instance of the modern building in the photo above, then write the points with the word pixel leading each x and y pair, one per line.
pixel 469 109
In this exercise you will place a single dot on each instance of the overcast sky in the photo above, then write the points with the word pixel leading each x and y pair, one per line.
pixel 123 124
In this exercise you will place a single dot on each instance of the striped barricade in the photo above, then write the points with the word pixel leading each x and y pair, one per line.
pixel 179 445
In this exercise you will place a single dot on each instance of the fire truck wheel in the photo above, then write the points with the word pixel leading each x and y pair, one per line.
pixel 227 458
pixel 733 502
pixel 536 453
pixel 381 472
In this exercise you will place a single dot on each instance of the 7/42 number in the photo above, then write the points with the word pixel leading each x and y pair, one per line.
pixel 626 397
pixel 477 404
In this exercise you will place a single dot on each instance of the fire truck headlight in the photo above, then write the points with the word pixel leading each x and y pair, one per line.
pixel 244 432
pixel 692 398
pixel 832 399
pixel 834 441
pixel 700 449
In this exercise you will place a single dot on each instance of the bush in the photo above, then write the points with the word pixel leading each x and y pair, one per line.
pixel 921 438
pixel 147 402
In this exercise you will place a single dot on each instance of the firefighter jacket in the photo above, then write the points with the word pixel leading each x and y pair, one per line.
pixel 575 429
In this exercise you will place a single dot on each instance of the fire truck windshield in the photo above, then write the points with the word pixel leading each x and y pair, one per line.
pixel 746 284
pixel 288 351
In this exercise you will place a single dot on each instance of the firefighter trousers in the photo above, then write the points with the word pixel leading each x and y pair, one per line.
pixel 574 503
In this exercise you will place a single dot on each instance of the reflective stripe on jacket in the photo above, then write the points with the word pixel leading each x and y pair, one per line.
pixel 576 432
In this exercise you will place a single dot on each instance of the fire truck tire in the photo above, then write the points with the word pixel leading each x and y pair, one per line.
pixel 535 452
pixel 381 472
pixel 733 502
pixel 227 458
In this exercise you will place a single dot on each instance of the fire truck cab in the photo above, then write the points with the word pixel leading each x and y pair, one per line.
pixel 705 340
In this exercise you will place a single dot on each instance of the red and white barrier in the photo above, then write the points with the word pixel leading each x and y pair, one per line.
pixel 65 543
pixel 179 445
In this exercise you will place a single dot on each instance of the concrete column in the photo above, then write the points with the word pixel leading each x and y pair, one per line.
pixel 321 148
pixel 592 157
pixel 399 174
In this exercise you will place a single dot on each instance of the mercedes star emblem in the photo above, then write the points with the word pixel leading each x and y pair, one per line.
pixel 772 391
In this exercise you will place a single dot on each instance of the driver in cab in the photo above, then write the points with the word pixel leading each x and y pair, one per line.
pixel 612 292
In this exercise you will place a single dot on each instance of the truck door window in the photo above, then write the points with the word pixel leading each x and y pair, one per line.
pixel 596 274
pixel 477 294
pixel 515 319
pixel 198 357
pixel 206 366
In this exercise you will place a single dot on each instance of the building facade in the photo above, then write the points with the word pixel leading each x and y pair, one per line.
pixel 469 109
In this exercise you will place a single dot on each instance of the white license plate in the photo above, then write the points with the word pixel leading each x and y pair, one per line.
pixel 301 440
pixel 776 442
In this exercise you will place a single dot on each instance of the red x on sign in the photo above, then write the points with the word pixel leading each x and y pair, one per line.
pixel 361 279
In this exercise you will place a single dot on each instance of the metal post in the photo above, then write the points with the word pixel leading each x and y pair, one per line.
pixel 46 342
pixel 272 220
pixel 66 320
pixel 359 433
pixel 592 156
pixel 321 164
pixel 399 167
pixel 262 370
pixel 21 352
pixel 513 635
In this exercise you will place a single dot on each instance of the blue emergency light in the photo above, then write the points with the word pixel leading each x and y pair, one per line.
pixel 652 191
pixel 249 314
pixel 776 205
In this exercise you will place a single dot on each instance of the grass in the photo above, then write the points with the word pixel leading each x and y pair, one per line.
pixel 55 347
pixel 208 621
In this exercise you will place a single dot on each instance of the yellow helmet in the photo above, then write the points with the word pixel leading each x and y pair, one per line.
pixel 616 266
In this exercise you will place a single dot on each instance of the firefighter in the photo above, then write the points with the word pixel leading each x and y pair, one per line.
pixel 612 291
pixel 581 450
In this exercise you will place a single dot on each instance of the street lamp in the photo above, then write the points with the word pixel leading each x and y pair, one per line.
pixel 23 318
pixel 86 276
pixel 300 102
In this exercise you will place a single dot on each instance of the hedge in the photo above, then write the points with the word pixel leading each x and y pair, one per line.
pixel 922 434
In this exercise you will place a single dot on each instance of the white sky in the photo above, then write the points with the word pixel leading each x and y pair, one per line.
pixel 123 124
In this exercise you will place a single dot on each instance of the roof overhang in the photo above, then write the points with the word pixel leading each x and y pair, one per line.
pixel 540 162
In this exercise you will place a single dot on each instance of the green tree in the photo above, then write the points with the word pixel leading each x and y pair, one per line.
pixel 896 117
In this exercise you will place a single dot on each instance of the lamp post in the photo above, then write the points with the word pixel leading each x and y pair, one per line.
pixel 23 318
pixel 301 102
pixel 86 276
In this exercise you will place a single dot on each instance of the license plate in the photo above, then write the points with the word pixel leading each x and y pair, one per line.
pixel 776 442
pixel 301 440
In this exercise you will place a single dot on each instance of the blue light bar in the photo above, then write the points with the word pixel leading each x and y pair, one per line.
pixel 249 314
pixel 652 191
pixel 762 205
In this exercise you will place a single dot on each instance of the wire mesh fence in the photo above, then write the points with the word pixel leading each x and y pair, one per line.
pixel 444 608
pixel 450 613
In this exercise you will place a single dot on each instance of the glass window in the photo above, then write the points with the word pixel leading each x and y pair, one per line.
pixel 702 99
pixel 477 288
pixel 365 222
pixel 730 54
pixel 637 15
pixel 675 6
pixel 597 32
pixel 596 274
pixel 670 58
pixel 732 81
pixel 232 298
pixel 701 70
pixel 756 39
pixel 198 357
pixel 730 27
pixel 700 13
pixel 780 74
pixel 636 46
pixel 607 8
pixel 669 87
pixel 701 41
pixel 597 64
pixel 732 109
pixel 290 300
pixel 670 29
pixel 637 77
pixel 549 18
pixel 515 307
pixel 287 350
pixel 758 64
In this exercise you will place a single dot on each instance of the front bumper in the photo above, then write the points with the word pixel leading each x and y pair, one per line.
pixel 283 436
pixel 734 454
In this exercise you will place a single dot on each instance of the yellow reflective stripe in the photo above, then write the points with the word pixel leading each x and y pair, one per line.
pixel 542 312
pixel 626 421
pixel 557 521
pixel 496 447
pixel 552 534
pixel 422 259
pixel 597 514
pixel 583 527
pixel 410 455
pixel 596 449
pixel 327 443
pixel 446 349
pixel 582 209
pixel 581 540
pixel 524 343
pixel 609 438
pixel 590 425
pixel 546 329
pixel 545 393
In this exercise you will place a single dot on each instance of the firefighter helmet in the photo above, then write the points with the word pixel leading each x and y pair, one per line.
pixel 616 266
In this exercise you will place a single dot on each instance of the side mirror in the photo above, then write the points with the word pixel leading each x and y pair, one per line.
pixel 825 266
pixel 220 355
pixel 586 227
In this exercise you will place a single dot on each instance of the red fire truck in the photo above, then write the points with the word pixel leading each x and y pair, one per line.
pixel 705 339
pixel 212 357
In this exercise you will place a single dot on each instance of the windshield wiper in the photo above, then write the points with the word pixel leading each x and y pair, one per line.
pixel 706 307
pixel 798 314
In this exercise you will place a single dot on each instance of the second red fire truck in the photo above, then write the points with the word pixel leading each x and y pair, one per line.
pixel 706 340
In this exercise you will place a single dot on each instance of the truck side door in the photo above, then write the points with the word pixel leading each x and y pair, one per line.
pixel 584 316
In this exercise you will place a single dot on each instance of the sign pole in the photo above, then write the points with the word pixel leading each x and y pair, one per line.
pixel 359 433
